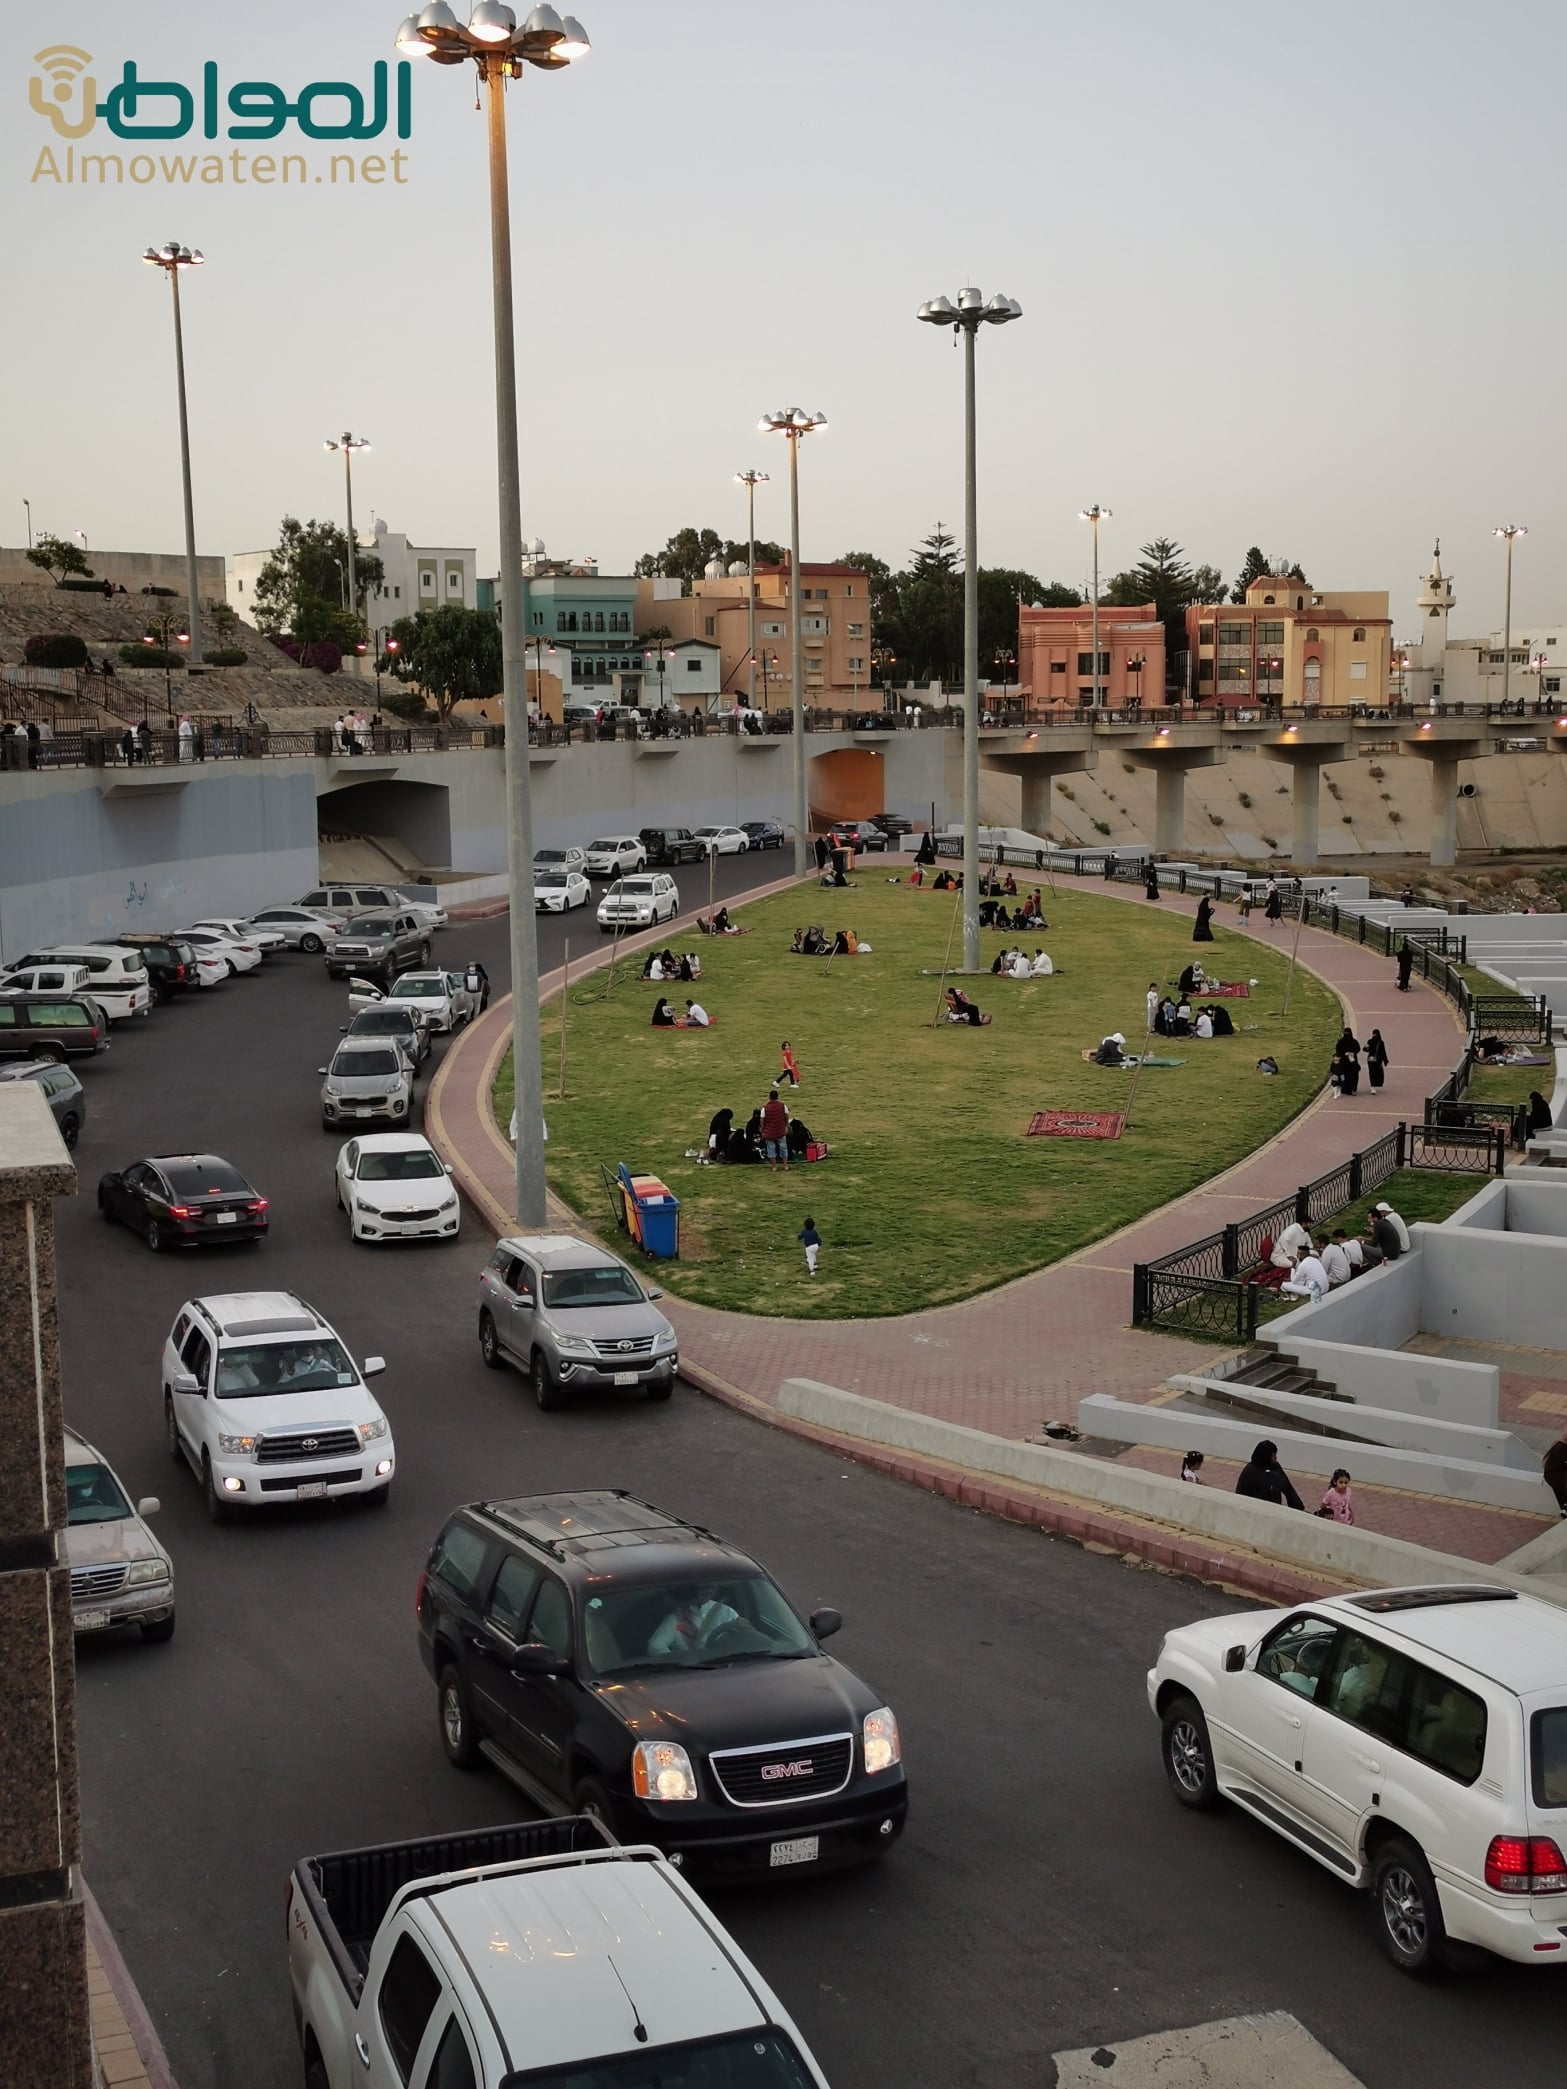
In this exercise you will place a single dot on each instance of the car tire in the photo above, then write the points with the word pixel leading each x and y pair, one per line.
pixel 312 945
pixel 1406 1910
pixel 159 1629
pixel 490 1344
pixel 1187 1750
pixel 454 1717
pixel 70 1132
pixel 217 1508
pixel 154 1237
pixel 591 1798
pixel 171 1431
pixel 316 2076
pixel 51 1055
pixel 546 1393
pixel 660 1389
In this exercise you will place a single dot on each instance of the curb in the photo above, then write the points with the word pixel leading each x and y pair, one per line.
pixel 149 2047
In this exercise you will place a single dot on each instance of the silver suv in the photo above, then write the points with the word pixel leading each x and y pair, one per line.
pixel 573 1316
pixel 120 1574
pixel 368 1082
pixel 377 946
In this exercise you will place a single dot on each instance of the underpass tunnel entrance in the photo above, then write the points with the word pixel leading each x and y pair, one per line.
pixel 384 828
pixel 848 784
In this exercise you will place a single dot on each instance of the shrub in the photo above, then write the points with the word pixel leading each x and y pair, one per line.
pixel 1245 798
pixel 1215 819
pixel 1386 797
pixel 322 653
pixel 151 656
pixel 1066 790
pixel 56 649
pixel 1130 768
pixel 1282 791
pixel 1101 826
pixel 1349 819
pixel 1397 818
pixel 226 656
pixel 1377 771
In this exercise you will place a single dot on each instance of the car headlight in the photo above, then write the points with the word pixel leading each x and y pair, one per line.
pixel 667 1340
pixel 143 1570
pixel 370 1432
pixel 237 1446
pixel 662 1770
pixel 578 1345
pixel 882 1747
pixel 370 1211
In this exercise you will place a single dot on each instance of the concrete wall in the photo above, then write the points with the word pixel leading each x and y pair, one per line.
pixel 1381 1310
pixel 1411 1428
pixel 1405 1382
pixel 1516 1205
pixel 417 814
pixel 1487 1288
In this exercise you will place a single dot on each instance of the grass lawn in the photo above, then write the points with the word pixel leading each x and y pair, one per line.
pixel 1509 1084
pixel 932 1192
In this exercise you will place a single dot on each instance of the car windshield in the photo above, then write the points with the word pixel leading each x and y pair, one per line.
pixel 605 1284
pixel 416 987
pixel 93 1495
pixel 383 1022
pixel 204 1179
pixel 549 877
pixel 549 855
pixel 762 2059
pixel 605 848
pixel 410 1166
pixel 352 1065
pixel 375 925
pixel 284 1367
pixel 692 1624
pixel 634 888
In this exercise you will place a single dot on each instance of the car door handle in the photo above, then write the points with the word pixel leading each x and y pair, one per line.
pixel 361 2048
pixel 1289 1719
pixel 1366 1762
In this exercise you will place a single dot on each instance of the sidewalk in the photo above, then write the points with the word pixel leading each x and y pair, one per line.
pixel 979 1363
pixel 128 2050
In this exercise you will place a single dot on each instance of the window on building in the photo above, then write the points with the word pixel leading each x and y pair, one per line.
pixel 1360 636
pixel 1235 635
pixel 453 583
pixel 1313 635
pixel 427 583
pixel 1205 670
pixel 1205 634
pixel 1085 664
pixel 1268 601
pixel 1357 670
pixel 1270 634
pixel 848 587
pixel 856 663
pixel 771 630
pixel 693 667
pixel 397 594
pixel 856 630
pixel 709 624
pixel 242 586
pixel 560 620
pixel 1058 667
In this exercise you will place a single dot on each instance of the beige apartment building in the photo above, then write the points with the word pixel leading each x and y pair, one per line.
pixel 1291 644
pixel 835 631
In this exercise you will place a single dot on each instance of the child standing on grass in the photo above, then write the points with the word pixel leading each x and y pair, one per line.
pixel 811 1241
pixel 791 1070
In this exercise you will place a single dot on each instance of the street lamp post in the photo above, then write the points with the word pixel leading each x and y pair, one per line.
pixel 171 257
pixel 160 636
pixel 1507 532
pixel 966 317
pixel 792 422
pixel 1093 517
pixel 348 444
pixel 500 50
pixel 1538 663
pixel 375 649
pixel 750 480
pixel 27 504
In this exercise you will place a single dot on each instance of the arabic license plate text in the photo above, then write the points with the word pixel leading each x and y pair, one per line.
pixel 228 1218
pixel 312 1490
pixel 91 1620
pixel 625 1378
pixel 805 1849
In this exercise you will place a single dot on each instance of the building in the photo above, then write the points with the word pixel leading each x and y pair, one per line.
pixel 584 618
pixel 414 576
pixel 1290 644
pixel 835 630
pixel 1434 668
pixel 1055 655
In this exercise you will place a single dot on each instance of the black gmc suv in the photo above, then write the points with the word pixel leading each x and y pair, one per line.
pixel 672 845
pixel 614 1659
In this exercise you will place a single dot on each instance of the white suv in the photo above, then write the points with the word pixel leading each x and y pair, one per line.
pixel 613 855
pixel 1413 1741
pixel 263 1401
pixel 639 902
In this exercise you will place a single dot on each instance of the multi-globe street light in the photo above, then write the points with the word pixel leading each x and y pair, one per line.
pixel 374 647
pixel 750 480
pixel 1507 533
pixel 160 637
pixel 500 50
pixel 1093 517
pixel 792 422
pixel 171 257
pixel 348 444
pixel 966 317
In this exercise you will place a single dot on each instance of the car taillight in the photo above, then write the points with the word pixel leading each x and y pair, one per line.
pixel 180 1211
pixel 258 1204
pixel 1525 1864
pixel 179 971
pixel 419 1595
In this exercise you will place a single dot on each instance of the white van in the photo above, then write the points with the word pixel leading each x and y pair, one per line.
pixel 1413 1741
pixel 115 978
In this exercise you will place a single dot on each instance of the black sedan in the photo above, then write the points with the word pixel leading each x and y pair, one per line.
pixel 183 1199
pixel 765 834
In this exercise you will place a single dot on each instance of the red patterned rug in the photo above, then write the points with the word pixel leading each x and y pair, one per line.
pixel 1074 1124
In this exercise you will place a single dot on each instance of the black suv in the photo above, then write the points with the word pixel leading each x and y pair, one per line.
pixel 171 964
pixel 858 835
pixel 672 845
pixel 613 1659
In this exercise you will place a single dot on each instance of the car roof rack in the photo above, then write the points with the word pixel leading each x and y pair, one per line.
pixel 566 1525
pixel 1432 1598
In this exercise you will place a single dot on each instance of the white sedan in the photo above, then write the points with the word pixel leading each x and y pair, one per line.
pixel 724 841
pixel 442 1000
pixel 212 968
pixel 395 1186
pixel 428 915
pixel 557 891
pixel 263 939
pixel 237 954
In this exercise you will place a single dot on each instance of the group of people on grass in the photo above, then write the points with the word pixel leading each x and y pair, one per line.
pixel 816 942
pixel 1173 1015
pixel 772 1133
pixel 1307 1266
pixel 1017 964
pixel 663 964
pixel 696 1016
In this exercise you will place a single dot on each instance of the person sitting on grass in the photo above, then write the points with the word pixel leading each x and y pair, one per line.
pixel 1111 1050
pixel 663 1015
pixel 1010 886
pixel 960 1009
pixel 718 1134
pixel 941 882
pixel 721 923
pixel 697 1017
pixel 815 944
pixel 1219 1016
pixel 1020 967
pixel 1041 967
pixel 690 965
pixel 800 1136
pixel 652 966
pixel 1203 1027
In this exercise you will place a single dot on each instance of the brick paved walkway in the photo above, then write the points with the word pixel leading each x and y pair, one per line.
pixel 984 1363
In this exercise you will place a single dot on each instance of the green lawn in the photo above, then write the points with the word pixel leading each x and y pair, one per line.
pixel 1509 1084
pixel 932 1191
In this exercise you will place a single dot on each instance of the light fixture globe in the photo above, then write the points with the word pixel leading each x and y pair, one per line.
pixel 408 40
pixel 437 20
pixel 576 42
pixel 545 22
pixel 492 22
pixel 971 300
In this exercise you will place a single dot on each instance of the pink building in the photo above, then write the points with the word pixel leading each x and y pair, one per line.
pixel 1055 656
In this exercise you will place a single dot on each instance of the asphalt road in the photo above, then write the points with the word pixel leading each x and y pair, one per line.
pixel 1047 1894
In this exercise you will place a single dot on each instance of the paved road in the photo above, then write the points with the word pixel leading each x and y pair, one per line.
pixel 1047 1894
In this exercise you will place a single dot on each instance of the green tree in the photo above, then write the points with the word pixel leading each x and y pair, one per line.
pixel 689 552
pixel 1165 577
pixel 299 591
pixel 452 654
pixel 59 557
pixel 1257 565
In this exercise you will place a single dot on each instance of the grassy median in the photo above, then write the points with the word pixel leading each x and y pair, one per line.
pixel 932 1191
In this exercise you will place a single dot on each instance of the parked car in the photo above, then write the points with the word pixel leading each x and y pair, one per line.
pixel 613 856
pixel 558 859
pixel 426 1962
pixel 120 978
pixel 347 902
pixel 429 914
pixel 892 824
pixel 672 845
pixel 117 998
pixel 47 1026
pixel 391 1021
pixel 120 1574
pixel 580 717
pixel 765 834
pixel 211 969
pixel 442 1001
pixel 574 1318
pixel 378 946
pixel 395 1186
pixel 638 903
pixel 266 940
pixel 171 963
pixel 593 1647
pixel 368 1079
pixel 183 1199
pixel 859 835
pixel 724 841
pixel 1413 1741
pixel 66 1096
pixel 300 928
pixel 235 953
pixel 264 1403
pixel 558 891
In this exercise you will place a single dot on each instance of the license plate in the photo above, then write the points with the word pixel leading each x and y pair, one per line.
pixel 312 1490
pixel 805 1849
pixel 228 1218
pixel 91 1620
pixel 625 1378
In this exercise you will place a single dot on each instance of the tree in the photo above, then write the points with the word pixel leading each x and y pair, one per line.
pixel 453 654
pixel 1164 577
pixel 689 552
pixel 1257 565
pixel 936 558
pixel 300 588
pixel 58 556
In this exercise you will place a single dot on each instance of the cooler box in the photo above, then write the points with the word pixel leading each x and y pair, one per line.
pixel 652 1213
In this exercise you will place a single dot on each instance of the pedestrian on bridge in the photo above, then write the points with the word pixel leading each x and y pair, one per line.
pixel 1406 965
pixel 1376 1058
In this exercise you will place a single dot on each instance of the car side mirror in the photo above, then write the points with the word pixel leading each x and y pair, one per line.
pixel 536 1659
pixel 654 1292
pixel 448 1167
pixel 824 1623
pixel 1234 1660
pixel 184 1381
pixel 322 1071
pixel 149 1505
pixel 373 1367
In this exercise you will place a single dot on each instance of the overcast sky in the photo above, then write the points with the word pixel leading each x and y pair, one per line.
pixel 1289 276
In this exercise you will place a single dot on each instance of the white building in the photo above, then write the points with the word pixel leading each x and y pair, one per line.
pixel 1435 668
pixel 415 576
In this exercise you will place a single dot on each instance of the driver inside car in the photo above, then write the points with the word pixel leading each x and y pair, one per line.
pixel 695 1619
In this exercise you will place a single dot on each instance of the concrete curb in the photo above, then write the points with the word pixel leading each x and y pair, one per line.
pixel 149 2047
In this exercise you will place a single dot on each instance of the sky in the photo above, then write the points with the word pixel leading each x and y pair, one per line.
pixel 1288 277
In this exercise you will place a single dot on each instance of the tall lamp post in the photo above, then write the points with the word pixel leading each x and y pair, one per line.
pixel 750 480
pixel 160 636
pixel 375 648
pixel 792 422
pixel 348 444
pixel 500 50
pixel 172 257
pixel 1093 517
pixel 1507 532
pixel 966 317
pixel 27 504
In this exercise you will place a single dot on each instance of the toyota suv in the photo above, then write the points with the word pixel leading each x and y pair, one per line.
pixel 120 1574
pixel 598 1650
pixel 574 1318
pixel 377 946
pixel 672 845
pixel 264 1403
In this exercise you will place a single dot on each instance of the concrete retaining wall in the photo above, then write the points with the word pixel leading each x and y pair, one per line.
pixel 1491 1288
pixel 1404 1381
pixel 1381 1310
pixel 1408 1428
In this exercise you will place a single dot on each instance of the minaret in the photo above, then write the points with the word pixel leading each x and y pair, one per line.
pixel 1434 601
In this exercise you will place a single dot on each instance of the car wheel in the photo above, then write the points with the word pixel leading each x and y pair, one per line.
pixel 660 1389
pixel 154 1236
pixel 217 1508
pixel 490 1343
pixel 456 1721
pixel 1188 1754
pixel 51 1055
pixel 545 1391
pixel 231 970
pixel 70 1132
pixel 171 1431
pixel 316 2076
pixel 312 945
pixel 424 951
pixel 591 1798
pixel 159 1628
pixel 1407 1912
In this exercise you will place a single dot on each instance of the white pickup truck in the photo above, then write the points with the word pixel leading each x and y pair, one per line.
pixel 539 1954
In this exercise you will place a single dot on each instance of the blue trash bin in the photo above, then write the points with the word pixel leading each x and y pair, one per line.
pixel 652 1214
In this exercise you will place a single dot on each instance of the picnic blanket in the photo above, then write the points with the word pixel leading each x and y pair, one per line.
pixel 1074 1124
pixel 1224 990
pixel 1130 1059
